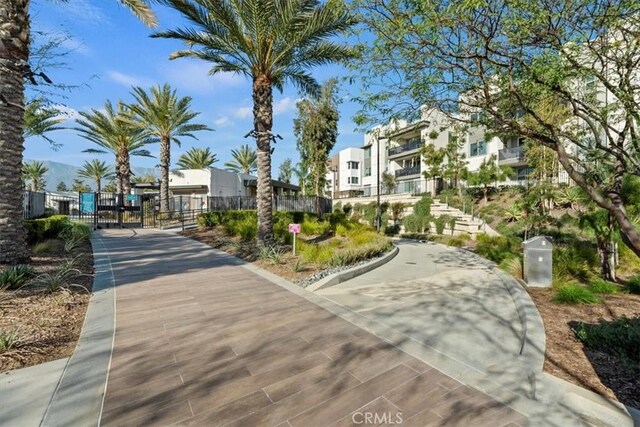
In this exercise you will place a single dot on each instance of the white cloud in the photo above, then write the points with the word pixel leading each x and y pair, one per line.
pixel 66 113
pixel 243 112
pixel 284 105
pixel 194 76
pixel 223 121
pixel 128 80
pixel 85 11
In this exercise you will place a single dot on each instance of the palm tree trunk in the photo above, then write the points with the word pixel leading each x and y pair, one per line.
pixel 165 160
pixel 263 123
pixel 34 185
pixel 14 51
pixel 98 185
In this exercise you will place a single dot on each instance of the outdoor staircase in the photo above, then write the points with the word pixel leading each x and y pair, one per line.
pixel 465 223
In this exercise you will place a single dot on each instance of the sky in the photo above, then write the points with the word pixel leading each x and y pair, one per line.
pixel 110 50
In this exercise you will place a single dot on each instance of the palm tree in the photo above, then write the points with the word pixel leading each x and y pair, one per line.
pixel 34 172
pixel 244 160
pixel 164 117
pixel 39 120
pixel 271 42
pixel 14 55
pixel 114 131
pixel 303 175
pixel 96 170
pixel 197 158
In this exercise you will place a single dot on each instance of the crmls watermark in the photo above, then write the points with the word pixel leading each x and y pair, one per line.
pixel 376 418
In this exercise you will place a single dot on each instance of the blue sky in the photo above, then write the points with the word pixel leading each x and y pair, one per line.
pixel 112 50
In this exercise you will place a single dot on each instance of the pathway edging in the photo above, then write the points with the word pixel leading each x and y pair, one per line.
pixel 77 401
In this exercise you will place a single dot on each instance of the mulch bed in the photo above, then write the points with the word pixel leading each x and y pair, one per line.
pixel 569 359
pixel 47 324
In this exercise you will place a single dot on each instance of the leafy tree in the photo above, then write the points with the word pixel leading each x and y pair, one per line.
pixel 146 178
pixel 114 132
pixel 512 60
pixel 489 173
pixel 62 186
pixel 388 181
pixel 96 170
pixel 79 186
pixel 286 170
pixel 34 172
pixel 304 177
pixel 433 159
pixel 15 47
pixel 111 187
pixel 455 168
pixel 271 42
pixel 316 131
pixel 245 160
pixel 164 117
pixel 40 120
pixel 197 158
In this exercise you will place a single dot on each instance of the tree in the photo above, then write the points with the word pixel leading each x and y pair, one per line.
pixel 197 158
pixel 433 159
pixel 245 160
pixel 388 182
pixel 316 131
pixel 39 120
pixel 512 60
pixel 285 171
pixel 114 131
pixel 14 57
pixel 96 170
pixel 111 187
pixel 164 117
pixel 146 178
pixel 34 172
pixel 271 42
pixel 79 186
pixel 489 173
pixel 62 186
pixel 455 168
pixel 304 178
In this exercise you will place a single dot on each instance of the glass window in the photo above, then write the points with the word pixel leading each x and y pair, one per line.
pixel 367 153
pixel 367 171
pixel 352 165
pixel 478 148
pixel 354 179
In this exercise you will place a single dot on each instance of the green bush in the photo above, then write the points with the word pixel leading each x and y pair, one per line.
pixel 47 247
pixel 600 286
pixel 15 277
pixel 42 229
pixel 313 227
pixel 573 293
pixel 633 285
pixel 497 248
pixel 391 230
pixel 620 337
pixel 577 261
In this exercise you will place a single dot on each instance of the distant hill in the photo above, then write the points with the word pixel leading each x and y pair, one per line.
pixel 66 173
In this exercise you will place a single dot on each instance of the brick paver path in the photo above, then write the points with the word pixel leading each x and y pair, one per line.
pixel 202 341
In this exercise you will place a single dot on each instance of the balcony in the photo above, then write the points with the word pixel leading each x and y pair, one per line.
pixel 413 145
pixel 413 170
pixel 513 156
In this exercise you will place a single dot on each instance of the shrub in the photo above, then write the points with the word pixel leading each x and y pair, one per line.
pixel 272 254
pixel 15 277
pixel 74 235
pixel 9 340
pixel 417 224
pixel 391 230
pixel 600 286
pixel 619 337
pixel 347 209
pixel 247 229
pixel 497 248
pixel 573 293
pixel 313 227
pixel 574 262
pixel 633 285
pixel 298 265
pixel 47 247
pixel 45 228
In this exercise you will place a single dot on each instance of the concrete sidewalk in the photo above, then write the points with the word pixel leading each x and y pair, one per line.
pixel 201 340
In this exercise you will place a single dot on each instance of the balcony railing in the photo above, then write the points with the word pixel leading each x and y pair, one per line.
pixel 409 146
pixel 511 154
pixel 413 170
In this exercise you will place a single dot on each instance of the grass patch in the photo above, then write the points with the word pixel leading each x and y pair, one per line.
pixel 600 286
pixel 633 285
pixel 15 277
pixel 619 337
pixel 573 293
pixel 47 247
pixel 9 340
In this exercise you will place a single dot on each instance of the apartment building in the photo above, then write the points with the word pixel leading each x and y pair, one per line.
pixel 344 176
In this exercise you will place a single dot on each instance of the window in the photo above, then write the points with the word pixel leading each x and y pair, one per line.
pixel 352 165
pixel 352 180
pixel 367 171
pixel 367 153
pixel 477 148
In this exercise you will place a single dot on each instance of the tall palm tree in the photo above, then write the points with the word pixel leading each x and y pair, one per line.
pixel 164 117
pixel 245 160
pixel 34 172
pixel 197 158
pixel 14 57
pixel 39 120
pixel 272 42
pixel 96 170
pixel 115 132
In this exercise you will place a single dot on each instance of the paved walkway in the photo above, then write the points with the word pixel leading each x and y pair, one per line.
pixel 201 340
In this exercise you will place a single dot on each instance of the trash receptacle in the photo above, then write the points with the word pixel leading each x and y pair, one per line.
pixel 538 261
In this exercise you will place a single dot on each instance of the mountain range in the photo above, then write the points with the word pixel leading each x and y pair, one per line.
pixel 62 172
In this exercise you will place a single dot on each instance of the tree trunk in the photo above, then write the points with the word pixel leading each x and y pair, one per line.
pixel 433 189
pixel 34 185
pixel 485 194
pixel 263 122
pixel 165 160
pixel 14 52
pixel 604 251
pixel 98 185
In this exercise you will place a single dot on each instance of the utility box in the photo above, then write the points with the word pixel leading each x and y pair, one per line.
pixel 538 261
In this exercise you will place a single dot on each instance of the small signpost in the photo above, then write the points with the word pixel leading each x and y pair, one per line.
pixel 295 229
pixel 132 197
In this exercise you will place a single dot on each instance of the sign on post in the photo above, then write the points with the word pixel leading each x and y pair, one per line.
pixel 295 229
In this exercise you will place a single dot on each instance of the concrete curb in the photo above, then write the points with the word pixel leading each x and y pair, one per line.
pixel 77 401
pixel 343 276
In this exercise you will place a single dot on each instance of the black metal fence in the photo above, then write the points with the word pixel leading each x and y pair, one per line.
pixel 33 205
pixel 312 204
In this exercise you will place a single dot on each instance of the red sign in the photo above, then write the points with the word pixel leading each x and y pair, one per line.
pixel 294 228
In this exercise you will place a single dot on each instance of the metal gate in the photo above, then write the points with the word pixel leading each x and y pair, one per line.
pixel 111 210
